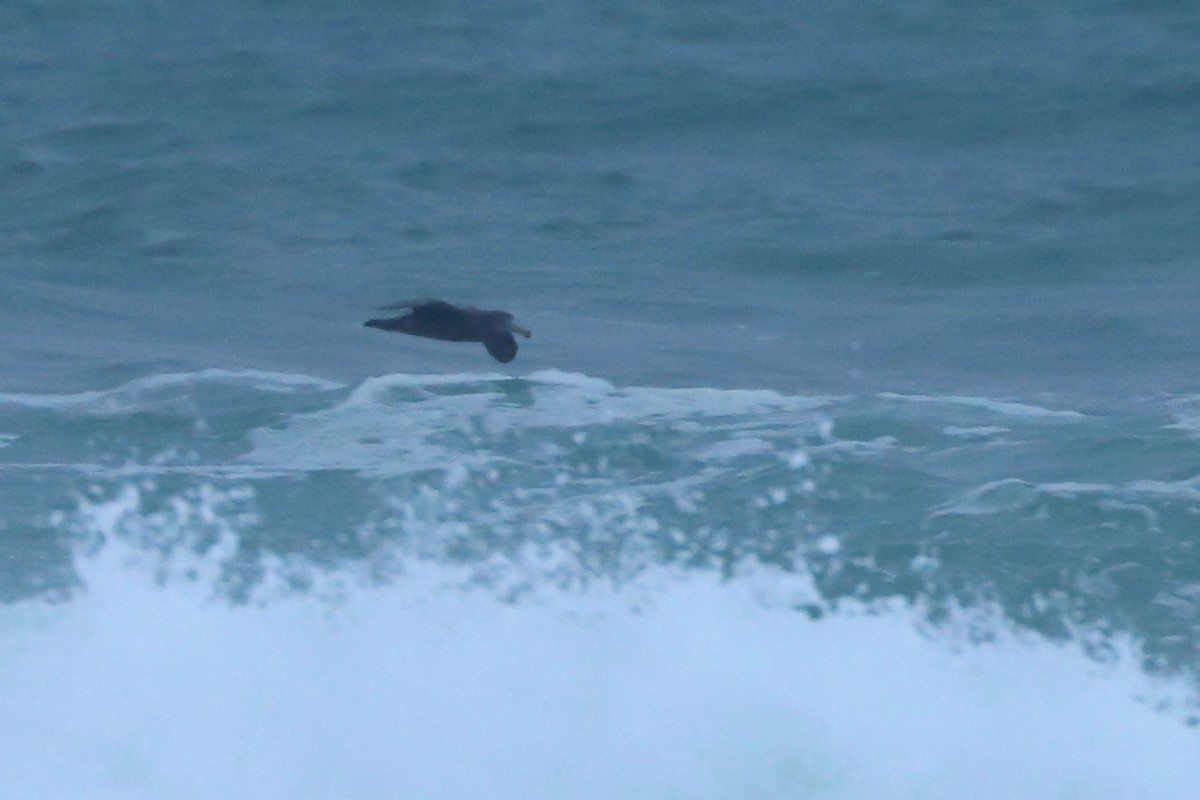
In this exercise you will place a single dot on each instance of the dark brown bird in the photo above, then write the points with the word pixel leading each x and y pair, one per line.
pixel 436 319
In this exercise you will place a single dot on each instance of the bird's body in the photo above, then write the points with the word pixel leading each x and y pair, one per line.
pixel 437 319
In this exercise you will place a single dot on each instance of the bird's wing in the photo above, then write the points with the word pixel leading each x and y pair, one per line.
pixel 503 347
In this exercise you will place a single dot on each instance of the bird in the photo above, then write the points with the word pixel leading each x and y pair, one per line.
pixel 437 319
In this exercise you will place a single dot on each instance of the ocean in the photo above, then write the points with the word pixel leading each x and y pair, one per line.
pixel 855 453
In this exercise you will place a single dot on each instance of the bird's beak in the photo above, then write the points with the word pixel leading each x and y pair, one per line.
pixel 523 331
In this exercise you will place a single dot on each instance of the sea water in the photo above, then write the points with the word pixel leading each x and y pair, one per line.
pixel 855 454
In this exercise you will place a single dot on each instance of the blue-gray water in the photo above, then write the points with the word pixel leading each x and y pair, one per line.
pixel 856 452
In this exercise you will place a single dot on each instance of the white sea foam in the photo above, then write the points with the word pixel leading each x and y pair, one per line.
pixel 974 431
pixel 991 498
pixel 391 424
pixel 129 396
pixel 1006 408
pixel 1012 494
pixel 702 689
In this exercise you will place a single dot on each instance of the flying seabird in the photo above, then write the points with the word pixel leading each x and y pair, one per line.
pixel 436 319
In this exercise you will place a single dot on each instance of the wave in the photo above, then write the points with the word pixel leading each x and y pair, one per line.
pixel 145 392
pixel 554 480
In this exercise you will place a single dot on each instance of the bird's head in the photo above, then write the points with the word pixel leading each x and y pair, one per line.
pixel 512 327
